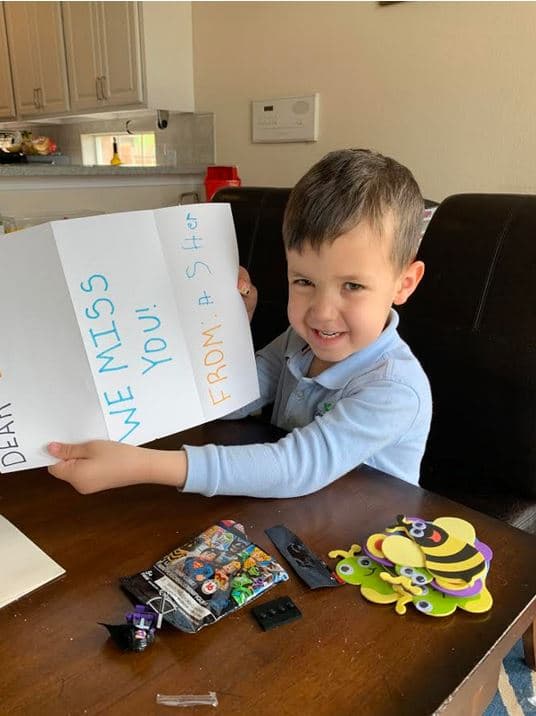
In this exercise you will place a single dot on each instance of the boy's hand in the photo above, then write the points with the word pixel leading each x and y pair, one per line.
pixel 103 464
pixel 247 291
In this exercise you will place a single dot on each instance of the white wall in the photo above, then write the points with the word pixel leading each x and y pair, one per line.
pixel 447 88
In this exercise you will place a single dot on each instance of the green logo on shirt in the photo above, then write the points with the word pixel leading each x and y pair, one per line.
pixel 322 409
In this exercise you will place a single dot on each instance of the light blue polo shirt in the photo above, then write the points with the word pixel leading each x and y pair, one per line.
pixel 372 408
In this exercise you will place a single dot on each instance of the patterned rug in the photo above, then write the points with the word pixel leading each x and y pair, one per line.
pixel 517 687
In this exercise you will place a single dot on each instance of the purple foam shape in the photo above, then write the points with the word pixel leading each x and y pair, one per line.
pixel 467 592
pixel 386 562
pixel 484 550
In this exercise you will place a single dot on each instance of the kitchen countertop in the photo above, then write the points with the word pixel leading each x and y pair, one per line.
pixel 66 170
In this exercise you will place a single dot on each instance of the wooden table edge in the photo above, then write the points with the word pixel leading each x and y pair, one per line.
pixel 478 688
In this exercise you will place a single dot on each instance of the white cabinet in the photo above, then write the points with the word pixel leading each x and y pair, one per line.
pixel 60 58
pixel 7 103
pixel 129 55
pixel 103 54
pixel 37 51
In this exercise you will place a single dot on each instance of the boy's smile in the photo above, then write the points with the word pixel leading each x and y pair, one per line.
pixel 340 294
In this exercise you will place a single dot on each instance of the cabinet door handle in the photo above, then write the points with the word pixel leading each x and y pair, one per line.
pixel 103 87
pixel 40 98
pixel 98 87
pixel 36 98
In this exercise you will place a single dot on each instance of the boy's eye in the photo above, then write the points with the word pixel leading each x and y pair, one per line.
pixel 350 286
pixel 302 282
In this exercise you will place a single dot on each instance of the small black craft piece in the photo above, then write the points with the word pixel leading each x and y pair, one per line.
pixel 276 613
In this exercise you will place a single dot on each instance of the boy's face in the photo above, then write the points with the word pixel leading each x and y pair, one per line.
pixel 340 295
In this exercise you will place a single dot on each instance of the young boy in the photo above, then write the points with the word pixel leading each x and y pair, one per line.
pixel 340 377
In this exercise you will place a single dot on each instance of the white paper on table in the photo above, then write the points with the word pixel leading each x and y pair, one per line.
pixel 24 566
pixel 124 326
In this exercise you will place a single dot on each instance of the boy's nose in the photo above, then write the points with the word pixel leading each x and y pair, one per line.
pixel 323 308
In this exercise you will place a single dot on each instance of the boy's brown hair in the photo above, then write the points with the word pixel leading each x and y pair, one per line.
pixel 349 186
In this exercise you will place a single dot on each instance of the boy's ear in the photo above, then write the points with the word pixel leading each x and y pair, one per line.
pixel 408 281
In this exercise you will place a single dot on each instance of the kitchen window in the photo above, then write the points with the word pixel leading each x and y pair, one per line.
pixel 135 150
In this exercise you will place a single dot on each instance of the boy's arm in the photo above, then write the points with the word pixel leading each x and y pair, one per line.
pixel 104 464
pixel 310 457
pixel 101 464
pixel 302 462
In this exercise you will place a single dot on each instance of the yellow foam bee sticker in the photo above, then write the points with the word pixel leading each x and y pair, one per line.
pixel 445 555
pixel 457 527
pixel 438 566
pixel 401 550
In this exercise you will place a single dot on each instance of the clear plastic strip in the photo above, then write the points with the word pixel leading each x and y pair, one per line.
pixel 209 699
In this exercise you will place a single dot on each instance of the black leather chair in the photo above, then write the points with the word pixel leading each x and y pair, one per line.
pixel 472 324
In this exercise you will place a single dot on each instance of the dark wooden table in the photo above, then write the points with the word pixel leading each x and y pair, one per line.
pixel 345 656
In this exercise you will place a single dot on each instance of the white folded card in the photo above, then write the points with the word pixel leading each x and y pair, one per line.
pixel 24 567
pixel 124 326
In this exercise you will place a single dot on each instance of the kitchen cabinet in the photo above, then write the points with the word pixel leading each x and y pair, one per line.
pixel 123 55
pixel 103 54
pixel 37 52
pixel 7 102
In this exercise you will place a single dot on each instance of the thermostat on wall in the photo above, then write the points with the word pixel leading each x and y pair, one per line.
pixel 287 119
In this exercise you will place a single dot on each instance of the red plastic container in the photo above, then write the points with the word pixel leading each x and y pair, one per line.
pixel 216 177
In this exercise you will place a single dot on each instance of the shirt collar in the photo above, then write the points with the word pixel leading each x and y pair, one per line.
pixel 299 357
